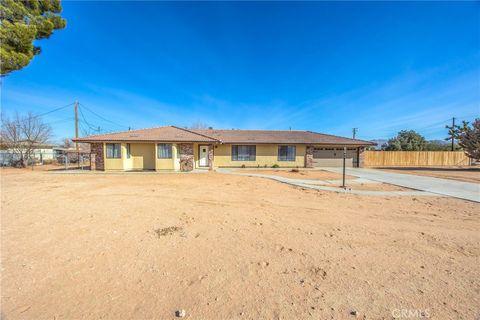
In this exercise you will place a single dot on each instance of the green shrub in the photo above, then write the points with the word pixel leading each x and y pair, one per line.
pixel 275 166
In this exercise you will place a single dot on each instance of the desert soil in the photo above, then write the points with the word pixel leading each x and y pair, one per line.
pixel 141 246
pixel 372 187
pixel 467 174
pixel 301 174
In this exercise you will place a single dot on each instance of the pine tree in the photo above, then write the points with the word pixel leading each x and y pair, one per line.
pixel 22 22
pixel 469 139
pixel 406 141
pixel 454 131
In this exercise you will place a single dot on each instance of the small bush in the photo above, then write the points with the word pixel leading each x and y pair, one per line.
pixel 275 166
pixel 243 166
pixel 295 170
pixel 265 166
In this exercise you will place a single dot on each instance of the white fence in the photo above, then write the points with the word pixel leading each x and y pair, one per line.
pixel 10 158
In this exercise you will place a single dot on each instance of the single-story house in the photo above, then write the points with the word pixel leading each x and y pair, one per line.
pixel 39 154
pixel 179 149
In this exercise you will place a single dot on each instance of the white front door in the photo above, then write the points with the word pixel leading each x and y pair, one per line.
pixel 203 156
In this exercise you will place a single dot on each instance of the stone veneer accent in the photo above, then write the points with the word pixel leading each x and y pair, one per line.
pixel 186 157
pixel 309 157
pixel 210 156
pixel 96 149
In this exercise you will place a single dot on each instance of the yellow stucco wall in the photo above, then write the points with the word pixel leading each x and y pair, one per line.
pixel 142 156
pixel 267 154
pixel 195 155
pixel 113 164
pixel 176 157
pixel 127 162
pixel 169 164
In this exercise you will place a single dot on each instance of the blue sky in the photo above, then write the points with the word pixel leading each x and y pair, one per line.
pixel 322 66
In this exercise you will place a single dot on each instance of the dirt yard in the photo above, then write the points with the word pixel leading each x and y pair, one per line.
pixel 467 174
pixel 372 187
pixel 301 174
pixel 141 246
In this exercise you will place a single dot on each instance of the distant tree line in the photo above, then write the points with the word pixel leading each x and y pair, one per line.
pixel 466 135
pixel 410 140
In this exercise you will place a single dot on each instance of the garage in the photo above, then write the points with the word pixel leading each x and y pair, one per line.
pixel 333 157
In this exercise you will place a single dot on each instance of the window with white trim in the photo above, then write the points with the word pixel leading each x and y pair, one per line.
pixel 286 153
pixel 244 153
pixel 164 151
pixel 114 151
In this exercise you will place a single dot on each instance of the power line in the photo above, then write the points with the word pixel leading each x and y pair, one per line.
pixel 85 131
pixel 61 120
pixel 103 118
pixel 92 127
pixel 54 110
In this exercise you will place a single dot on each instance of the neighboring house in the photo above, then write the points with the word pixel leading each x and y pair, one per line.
pixel 41 153
pixel 61 152
pixel 174 148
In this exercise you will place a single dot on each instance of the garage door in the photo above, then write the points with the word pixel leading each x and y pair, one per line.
pixel 333 157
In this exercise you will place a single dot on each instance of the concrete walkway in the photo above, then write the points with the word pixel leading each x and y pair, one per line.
pixel 458 189
pixel 313 184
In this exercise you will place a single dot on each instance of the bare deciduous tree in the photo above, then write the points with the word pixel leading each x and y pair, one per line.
pixel 23 134
pixel 67 143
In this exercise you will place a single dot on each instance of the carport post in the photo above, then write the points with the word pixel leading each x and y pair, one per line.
pixel 344 157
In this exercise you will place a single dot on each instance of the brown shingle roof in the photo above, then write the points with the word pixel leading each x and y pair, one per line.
pixel 166 134
pixel 176 134
pixel 277 136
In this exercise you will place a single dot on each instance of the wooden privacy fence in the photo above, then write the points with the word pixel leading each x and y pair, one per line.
pixel 415 158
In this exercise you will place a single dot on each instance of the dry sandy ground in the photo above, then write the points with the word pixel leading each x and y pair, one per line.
pixel 140 246
pixel 467 174
pixel 301 174
pixel 372 187
pixel 326 175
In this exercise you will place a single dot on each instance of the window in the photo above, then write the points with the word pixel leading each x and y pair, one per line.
pixel 128 151
pixel 286 153
pixel 244 153
pixel 164 151
pixel 114 151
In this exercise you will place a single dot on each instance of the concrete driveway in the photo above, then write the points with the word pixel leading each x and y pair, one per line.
pixel 452 188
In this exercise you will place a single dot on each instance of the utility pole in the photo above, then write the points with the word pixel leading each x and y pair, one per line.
pixel 76 132
pixel 453 134
pixel 354 131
